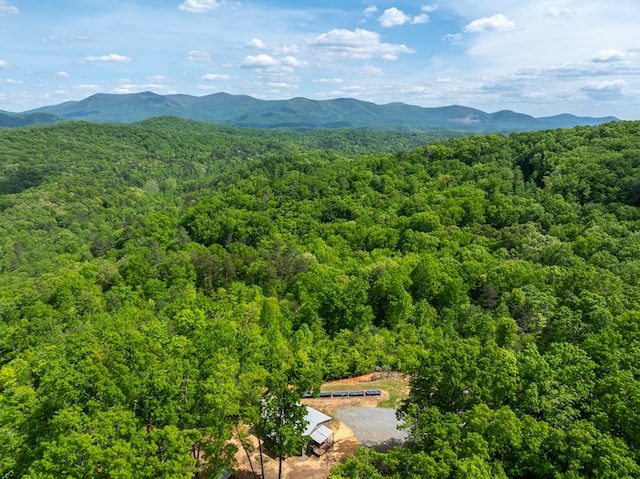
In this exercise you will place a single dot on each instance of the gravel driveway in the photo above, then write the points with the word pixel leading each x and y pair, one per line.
pixel 374 427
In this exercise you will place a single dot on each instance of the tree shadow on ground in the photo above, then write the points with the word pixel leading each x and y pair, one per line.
pixel 387 445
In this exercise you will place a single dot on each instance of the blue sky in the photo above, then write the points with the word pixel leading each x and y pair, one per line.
pixel 540 57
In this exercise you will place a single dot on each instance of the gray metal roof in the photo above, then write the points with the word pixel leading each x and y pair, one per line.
pixel 321 434
pixel 314 418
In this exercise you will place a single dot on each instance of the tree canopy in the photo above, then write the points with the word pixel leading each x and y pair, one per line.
pixel 162 283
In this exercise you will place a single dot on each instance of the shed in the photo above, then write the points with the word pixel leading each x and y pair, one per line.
pixel 321 435
pixel 314 418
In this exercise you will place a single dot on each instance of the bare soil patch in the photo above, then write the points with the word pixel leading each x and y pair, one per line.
pixel 392 385
pixel 373 427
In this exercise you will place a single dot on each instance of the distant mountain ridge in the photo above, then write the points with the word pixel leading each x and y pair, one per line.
pixel 13 120
pixel 296 113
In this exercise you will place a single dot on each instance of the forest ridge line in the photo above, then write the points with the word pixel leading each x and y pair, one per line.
pixel 294 113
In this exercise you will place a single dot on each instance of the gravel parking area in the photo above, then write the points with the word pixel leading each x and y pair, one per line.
pixel 374 427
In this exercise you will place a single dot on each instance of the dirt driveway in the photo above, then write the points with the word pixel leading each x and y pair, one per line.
pixel 372 426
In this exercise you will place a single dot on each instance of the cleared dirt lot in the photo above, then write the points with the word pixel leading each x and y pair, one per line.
pixel 372 426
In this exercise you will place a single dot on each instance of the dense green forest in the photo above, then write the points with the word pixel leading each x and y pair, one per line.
pixel 164 283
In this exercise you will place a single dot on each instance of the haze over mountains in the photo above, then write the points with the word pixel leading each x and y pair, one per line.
pixel 296 113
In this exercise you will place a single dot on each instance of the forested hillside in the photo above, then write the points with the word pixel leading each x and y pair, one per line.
pixel 293 114
pixel 166 283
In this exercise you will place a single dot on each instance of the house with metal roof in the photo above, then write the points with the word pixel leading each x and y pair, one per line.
pixel 321 436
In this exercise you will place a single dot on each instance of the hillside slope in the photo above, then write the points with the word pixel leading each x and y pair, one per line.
pixel 302 113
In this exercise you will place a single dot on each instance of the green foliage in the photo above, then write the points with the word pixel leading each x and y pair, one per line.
pixel 161 283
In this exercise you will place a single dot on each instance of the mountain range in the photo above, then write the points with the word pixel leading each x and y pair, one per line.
pixel 295 113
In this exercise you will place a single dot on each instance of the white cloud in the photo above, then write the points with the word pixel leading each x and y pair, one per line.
pixel 452 37
pixel 281 85
pixel 606 87
pixel 61 75
pixel 199 56
pixel 579 70
pixel 272 47
pixel 329 81
pixel 605 90
pixel 429 8
pixel 273 69
pixel 10 81
pixel 6 9
pixel 422 18
pixel 293 62
pixel 111 58
pixel 611 55
pixel 351 91
pixel 370 10
pixel 392 17
pixel 257 43
pixel 371 71
pixel 554 45
pixel 496 23
pixel 125 86
pixel 357 44
pixel 215 77
pixel 259 61
pixel 200 6
pixel 4 65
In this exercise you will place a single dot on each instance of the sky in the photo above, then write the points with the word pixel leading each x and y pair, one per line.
pixel 540 57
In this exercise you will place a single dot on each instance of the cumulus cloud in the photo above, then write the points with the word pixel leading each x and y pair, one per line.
pixel 11 81
pixel 257 43
pixel 607 89
pixel 496 23
pixel 273 69
pixel 111 58
pixel 6 9
pixel 430 8
pixel 422 18
pixel 393 17
pixel 272 47
pixel 370 10
pixel 259 61
pixel 61 75
pixel 4 65
pixel 199 56
pixel 200 6
pixel 215 77
pixel 293 62
pixel 611 55
pixel 357 44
